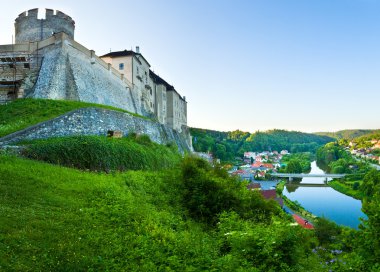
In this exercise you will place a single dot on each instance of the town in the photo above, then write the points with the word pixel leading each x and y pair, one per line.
pixel 370 151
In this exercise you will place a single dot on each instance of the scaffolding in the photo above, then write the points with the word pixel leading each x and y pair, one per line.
pixel 14 67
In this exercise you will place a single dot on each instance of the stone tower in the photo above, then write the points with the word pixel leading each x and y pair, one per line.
pixel 28 28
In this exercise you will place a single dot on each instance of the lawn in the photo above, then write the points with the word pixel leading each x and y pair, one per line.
pixel 23 113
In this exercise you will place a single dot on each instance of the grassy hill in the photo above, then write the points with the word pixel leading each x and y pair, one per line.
pixel 228 145
pixel 23 113
pixel 347 134
pixel 139 206
pixel 61 219
pixel 100 153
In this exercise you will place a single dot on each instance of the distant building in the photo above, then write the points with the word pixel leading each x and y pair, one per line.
pixel 249 155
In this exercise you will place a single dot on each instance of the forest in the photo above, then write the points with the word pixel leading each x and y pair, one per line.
pixel 228 145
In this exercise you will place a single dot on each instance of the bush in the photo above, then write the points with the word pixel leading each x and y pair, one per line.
pixel 209 191
pixel 356 185
pixel 326 231
pixel 97 153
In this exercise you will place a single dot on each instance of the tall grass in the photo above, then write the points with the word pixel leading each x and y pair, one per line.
pixel 61 219
pixel 97 153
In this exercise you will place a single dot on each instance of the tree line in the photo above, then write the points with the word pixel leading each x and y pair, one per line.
pixel 228 145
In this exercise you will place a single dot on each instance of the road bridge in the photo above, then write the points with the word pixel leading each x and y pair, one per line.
pixel 291 176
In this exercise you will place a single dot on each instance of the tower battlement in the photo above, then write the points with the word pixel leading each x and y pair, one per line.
pixel 28 28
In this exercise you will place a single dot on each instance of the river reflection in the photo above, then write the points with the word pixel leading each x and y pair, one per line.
pixel 325 201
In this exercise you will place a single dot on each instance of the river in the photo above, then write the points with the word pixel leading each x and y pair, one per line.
pixel 325 201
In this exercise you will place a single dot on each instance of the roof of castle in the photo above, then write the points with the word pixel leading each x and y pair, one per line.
pixel 123 53
pixel 159 80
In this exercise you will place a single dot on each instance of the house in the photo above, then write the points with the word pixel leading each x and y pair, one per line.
pixel 206 156
pixel 284 152
pixel 261 174
pixel 244 174
pixel 261 158
pixel 249 155
pixel 254 186
pixel 271 194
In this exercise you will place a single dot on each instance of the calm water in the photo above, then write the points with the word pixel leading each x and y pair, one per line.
pixel 325 201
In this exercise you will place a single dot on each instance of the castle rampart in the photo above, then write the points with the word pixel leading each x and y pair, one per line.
pixel 29 28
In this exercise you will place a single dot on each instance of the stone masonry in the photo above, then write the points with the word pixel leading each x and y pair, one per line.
pixel 96 121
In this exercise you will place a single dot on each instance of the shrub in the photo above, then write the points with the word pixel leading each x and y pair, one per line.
pixel 103 154
pixel 209 191
pixel 326 231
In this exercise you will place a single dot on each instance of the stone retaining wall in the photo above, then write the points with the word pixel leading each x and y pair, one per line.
pixel 96 121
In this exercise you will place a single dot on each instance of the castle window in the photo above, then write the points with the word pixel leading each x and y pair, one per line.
pixel 150 91
pixel 121 66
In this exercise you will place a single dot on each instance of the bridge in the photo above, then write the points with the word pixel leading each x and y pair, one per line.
pixel 291 175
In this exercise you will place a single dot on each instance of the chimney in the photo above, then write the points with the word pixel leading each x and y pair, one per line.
pixel 138 49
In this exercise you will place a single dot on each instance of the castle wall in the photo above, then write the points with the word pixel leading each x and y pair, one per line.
pixel 96 121
pixel 160 94
pixel 70 71
pixel 28 28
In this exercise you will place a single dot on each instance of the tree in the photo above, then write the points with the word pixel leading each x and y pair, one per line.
pixel 294 166
pixel 371 183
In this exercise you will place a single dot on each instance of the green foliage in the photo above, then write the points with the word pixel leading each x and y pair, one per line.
pixel 209 191
pixel 23 113
pixel 304 159
pixel 347 188
pixel 61 219
pixel 347 134
pixel 333 158
pixel 326 231
pixel 365 141
pixel 228 145
pixel 293 166
pixel 371 183
pixel 371 236
pixel 268 247
pixel 98 153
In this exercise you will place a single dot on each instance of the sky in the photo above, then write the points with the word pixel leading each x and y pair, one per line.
pixel 305 65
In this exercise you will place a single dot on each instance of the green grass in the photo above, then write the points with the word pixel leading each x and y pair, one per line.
pixel 346 189
pixel 100 153
pixel 61 219
pixel 23 113
pixel 58 219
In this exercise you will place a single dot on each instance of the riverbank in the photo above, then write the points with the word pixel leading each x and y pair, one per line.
pixel 294 206
pixel 346 189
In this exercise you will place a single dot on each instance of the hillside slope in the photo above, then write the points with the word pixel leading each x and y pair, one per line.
pixel 347 134
pixel 60 219
pixel 23 113
pixel 227 145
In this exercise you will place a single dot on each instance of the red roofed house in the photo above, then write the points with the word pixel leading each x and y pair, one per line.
pixel 271 194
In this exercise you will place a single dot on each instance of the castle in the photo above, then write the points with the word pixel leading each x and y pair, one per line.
pixel 46 62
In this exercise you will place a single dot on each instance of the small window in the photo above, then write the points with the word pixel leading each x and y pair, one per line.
pixel 121 66
pixel 150 91
pixel 26 65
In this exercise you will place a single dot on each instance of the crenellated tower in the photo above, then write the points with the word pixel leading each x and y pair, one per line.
pixel 28 28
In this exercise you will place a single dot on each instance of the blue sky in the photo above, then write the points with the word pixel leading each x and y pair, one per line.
pixel 308 65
